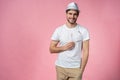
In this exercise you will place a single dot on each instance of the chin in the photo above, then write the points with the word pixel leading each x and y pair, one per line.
pixel 72 22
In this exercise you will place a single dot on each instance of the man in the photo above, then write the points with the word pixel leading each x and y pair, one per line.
pixel 69 41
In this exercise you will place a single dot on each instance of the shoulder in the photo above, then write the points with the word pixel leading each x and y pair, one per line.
pixel 82 28
pixel 85 33
pixel 59 28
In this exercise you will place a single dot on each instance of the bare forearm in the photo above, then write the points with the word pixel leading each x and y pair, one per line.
pixel 85 54
pixel 84 61
pixel 56 49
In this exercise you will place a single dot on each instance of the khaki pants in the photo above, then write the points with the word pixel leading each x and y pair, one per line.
pixel 68 73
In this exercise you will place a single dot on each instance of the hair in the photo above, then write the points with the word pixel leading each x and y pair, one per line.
pixel 75 10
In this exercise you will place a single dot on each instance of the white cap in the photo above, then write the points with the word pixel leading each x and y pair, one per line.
pixel 72 5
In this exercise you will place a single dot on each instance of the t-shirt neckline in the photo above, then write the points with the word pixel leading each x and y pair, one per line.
pixel 70 28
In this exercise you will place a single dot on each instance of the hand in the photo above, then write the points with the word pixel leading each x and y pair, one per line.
pixel 69 46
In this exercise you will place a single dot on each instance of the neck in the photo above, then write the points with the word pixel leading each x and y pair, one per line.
pixel 71 25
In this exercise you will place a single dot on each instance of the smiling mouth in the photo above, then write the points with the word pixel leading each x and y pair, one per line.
pixel 72 20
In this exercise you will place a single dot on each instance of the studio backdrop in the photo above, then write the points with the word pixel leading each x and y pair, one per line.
pixel 26 27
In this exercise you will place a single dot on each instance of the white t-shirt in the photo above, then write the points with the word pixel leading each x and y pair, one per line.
pixel 63 34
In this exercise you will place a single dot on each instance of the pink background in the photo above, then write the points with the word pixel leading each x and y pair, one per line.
pixel 26 27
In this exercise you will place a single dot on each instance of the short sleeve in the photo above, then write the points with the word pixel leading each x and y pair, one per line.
pixel 55 35
pixel 85 35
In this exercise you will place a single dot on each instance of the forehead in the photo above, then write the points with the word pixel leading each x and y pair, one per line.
pixel 72 11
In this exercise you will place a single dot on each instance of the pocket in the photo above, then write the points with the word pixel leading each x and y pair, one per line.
pixel 76 73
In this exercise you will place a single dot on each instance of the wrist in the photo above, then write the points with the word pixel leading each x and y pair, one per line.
pixel 62 48
pixel 82 69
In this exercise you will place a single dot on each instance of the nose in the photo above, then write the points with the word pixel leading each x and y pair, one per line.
pixel 72 16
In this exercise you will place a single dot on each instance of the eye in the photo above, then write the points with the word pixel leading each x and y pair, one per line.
pixel 70 13
pixel 75 14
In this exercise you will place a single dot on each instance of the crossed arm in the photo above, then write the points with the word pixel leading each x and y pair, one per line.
pixel 54 48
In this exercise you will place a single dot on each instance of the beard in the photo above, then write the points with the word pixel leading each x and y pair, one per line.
pixel 72 21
